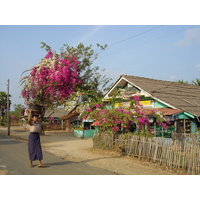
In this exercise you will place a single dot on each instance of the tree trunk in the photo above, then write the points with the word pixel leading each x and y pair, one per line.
pixel 42 119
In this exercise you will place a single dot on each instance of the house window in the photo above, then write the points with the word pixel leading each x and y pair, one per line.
pixel 88 126
pixel 188 126
pixel 130 88
pixel 184 126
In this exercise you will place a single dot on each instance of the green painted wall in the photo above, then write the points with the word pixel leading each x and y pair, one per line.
pixel 86 133
pixel 158 104
pixel 183 116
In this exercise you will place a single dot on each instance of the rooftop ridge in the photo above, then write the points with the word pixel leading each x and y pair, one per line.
pixel 164 81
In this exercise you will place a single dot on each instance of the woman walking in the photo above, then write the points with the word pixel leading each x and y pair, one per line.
pixel 34 145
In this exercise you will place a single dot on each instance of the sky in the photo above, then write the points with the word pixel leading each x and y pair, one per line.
pixel 164 52
pixel 159 42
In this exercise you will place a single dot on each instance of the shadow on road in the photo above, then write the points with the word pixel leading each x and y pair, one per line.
pixel 77 162
pixel 59 163
pixel 8 141
pixel 90 160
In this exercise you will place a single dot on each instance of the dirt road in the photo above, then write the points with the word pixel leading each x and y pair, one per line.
pixel 14 155
pixel 76 150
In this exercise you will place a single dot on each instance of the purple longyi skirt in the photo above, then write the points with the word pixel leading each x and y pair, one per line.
pixel 34 146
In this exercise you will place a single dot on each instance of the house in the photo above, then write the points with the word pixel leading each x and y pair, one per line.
pixel 178 101
pixel 82 129
pixel 53 119
pixel 70 117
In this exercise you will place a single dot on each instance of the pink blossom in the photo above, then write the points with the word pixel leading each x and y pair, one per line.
pixel 89 110
pixel 85 116
pixel 136 98
pixel 49 55
pixel 164 126
pixel 159 123
pixel 104 111
pixel 97 105
pixel 56 81
pixel 105 120
pixel 115 128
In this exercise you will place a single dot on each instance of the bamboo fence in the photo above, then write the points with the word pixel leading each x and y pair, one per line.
pixel 184 154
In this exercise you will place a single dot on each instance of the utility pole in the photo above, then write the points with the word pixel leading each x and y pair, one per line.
pixel 8 108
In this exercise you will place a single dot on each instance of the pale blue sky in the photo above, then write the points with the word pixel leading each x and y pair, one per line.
pixel 161 52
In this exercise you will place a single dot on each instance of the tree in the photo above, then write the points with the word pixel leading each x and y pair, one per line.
pixel 57 77
pixel 18 111
pixel 182 81
pixel 51 81
pixel 93 82
pixel 196 82
pixel 193 82
pixel 3 105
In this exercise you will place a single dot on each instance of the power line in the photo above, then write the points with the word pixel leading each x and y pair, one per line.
pixel 134 36
pixel 145 42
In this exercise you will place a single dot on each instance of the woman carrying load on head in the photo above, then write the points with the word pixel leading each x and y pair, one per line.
pixel 34 145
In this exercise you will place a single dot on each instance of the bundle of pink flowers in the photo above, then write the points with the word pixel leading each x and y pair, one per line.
pixel 54 79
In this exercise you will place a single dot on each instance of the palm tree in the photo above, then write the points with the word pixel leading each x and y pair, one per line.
pixel 196 82
pixel 182 81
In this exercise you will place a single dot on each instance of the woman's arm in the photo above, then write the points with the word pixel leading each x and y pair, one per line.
pixel 29 117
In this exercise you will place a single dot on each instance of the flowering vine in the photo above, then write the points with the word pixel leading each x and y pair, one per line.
pixel 121 118
pixel 52 80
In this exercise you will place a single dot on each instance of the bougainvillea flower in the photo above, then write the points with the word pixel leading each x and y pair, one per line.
pixel 52 80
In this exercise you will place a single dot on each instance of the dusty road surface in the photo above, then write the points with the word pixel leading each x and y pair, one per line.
pixel 14 155
pixel 66 154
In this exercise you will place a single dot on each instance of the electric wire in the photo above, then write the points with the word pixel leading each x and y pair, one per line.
pixel 134 36
pixel 146 42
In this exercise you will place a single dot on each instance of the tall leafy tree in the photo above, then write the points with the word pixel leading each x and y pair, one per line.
pixel 57 76
pixel 92 77
pixel 3 105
